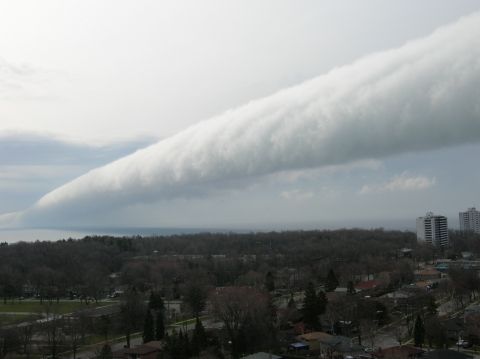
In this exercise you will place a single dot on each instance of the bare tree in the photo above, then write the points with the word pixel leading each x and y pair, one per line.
pixel 73 333
pixel 53 328
pixel 132 312
pixel 240 308
pixel 26 333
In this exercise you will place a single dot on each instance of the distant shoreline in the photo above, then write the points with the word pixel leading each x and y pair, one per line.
pixel 14 235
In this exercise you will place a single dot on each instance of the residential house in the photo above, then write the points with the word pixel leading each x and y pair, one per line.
pixel 399 352
pixel 446 354
pixel 262 355
pixel 331 345
pixel 427 274
pixel 368 285
pixel 148 350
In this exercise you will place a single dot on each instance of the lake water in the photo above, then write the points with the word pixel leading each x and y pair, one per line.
pixel 55 234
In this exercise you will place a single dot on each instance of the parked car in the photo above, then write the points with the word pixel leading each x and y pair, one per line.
pixel 463 343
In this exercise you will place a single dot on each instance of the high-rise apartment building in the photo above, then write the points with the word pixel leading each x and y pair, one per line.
pixel 433 230
pixel 470 220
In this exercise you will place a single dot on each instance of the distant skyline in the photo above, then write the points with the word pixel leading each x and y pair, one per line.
pixel 83 84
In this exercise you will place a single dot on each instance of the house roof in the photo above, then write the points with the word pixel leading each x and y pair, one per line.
pixel 337 342
pixel 369 284
pixel 262 355
pixel 144 349
pixel 319 336
pixel 446 354
pixel 423 283
pixel 427 271
pixel 345 345
pixel 397 351
pixel 157 344
pixel 141 350
pixel 120 353
pixel 399 294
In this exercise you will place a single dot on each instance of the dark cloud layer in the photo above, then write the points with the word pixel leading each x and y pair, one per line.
pixel 421 96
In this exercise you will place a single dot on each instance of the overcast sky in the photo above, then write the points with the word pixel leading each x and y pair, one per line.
pixel 83 83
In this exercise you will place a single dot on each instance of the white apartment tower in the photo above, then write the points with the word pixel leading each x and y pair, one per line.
pixel 470 220
pixel 433 230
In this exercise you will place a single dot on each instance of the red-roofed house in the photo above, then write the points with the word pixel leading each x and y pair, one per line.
pixel 368 285
pixel 399 352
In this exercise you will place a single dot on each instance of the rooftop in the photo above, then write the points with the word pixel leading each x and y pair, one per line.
pixel 262 355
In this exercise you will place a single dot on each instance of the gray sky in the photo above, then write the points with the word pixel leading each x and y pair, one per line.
pixel 86 82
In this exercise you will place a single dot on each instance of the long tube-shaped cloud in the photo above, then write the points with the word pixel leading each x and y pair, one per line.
pixel 423 95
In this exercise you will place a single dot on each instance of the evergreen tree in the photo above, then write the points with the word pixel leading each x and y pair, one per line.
pixel 148 327
pixel 156 302
pixel 160 325
pixel 172 345
pixel 321 302
pixel 270 282
pixel 419 332
pixel 186 348
pixel 106 352
pixel 331 282
pixel 350 288
pixel 310 307
pixel 199 339
pixel 432 305
pixel 291 302
pixel 157 307
pixel 196 297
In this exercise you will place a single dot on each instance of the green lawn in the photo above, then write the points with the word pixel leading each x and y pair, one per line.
pixel 186 322
pixel 34 306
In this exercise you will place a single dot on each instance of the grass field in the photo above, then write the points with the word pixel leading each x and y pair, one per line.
pixel 34 306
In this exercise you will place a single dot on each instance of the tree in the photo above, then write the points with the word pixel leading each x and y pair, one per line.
pixel 95 284
pixel 419 332
pixel 106 352
pixel 173 345
pixel 185 346
pixel 270 282
pixel 53 328
pixel 199 339
pixel 26 334
pixel 350 288
pixel 331 282
pixel 399 333
pixel 195 297
pixel 321 302
pixel 313 306
pixel 156 308
pixel 104 326
pixel 73 335
pixel 291 302
pixel 435 333
pixel 309 309
pixel 432 307
pixel 160 325
pixel 244 312
pixel 131 311
pixel 9 341
pixel 156 302
pixel 148 327
pixel 368 330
